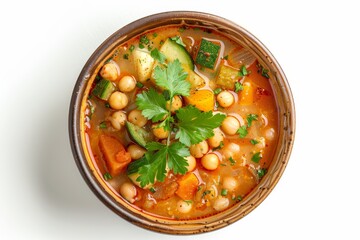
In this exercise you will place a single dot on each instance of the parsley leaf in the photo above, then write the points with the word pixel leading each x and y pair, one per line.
pixel 157 55
pixel 243 71
pixel 152 167
pixel 178 40
pixel 242 131
pixel 195 126
pixel 256 157
pixel 172 78
pixel 254 141
pixel 152 104
pixel 250 118
pixel 238 87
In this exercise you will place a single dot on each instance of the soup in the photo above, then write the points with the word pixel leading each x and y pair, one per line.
pixel 181 122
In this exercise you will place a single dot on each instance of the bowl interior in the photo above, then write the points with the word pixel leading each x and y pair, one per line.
pixel 137 216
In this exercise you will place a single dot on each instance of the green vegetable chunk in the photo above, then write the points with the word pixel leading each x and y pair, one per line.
pixel 208 54
pixel 103 89
pixel 138 134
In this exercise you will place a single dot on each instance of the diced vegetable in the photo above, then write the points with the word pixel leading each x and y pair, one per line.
pixel 194 79
pixel 246 96
pixel 201 99
pixel 115 155
pixel 173 50
pixel 103 89
pixel 208 54
pixel 227 76
pixel 188 185
pixel 138 134
pixel 143 64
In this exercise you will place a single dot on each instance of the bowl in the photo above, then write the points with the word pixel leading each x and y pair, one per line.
pixel 118 205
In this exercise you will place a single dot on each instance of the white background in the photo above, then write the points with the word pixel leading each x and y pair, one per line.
pixel 43 47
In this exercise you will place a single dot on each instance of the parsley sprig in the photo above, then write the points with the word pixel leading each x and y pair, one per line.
pixel 189 124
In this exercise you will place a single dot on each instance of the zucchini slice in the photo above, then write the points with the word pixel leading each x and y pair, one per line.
pixel 138 134
pixel 103 89
pixel 173 51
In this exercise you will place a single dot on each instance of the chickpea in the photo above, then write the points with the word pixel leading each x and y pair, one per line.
pixel 159 132
pixel 191 163
pixel 118 100
pixel 216 140
pixel 136 151
pixel 225 99
pixel 270 134
pixel 221 203
pixel 110 71
pixel 232 150
pixel 184 206
pixel 230 183
pixel 127 83
pixel 128 191
pixel 118 119
pixel 230 125
pixel 136 117
pixel 198 150
pixel 210 161
pixel 175 105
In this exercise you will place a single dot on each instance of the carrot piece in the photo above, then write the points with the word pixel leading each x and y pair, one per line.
pixel 188 185
pixel 246 96
pixel 116 157
pixel 201 99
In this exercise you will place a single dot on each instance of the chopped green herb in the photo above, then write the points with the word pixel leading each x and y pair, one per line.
pixel 226 57
pixel 254 141
pixel 250 118
pixel 155 34
pixel 103 125
pixel 242 131
pixel 107 176
pixel 256 157
pixel 126 56
pixel 139 84
pixel 161 42
pixel 157 55
pixel 224 192
pixel 264 72
pixel 261 172
pixel 238 198
pixel 132 48
pixel 238 87
pixel 217 91
pixel 152 190
pixel 232 161
pixel 150 47
pixel 219 147
pixel 178 40
pixel 107 105
pixel 144 40
pixel 141 46
pixel 243 71
pixel 223 164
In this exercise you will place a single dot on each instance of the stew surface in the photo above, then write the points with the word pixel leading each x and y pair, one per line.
pixel 181 122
